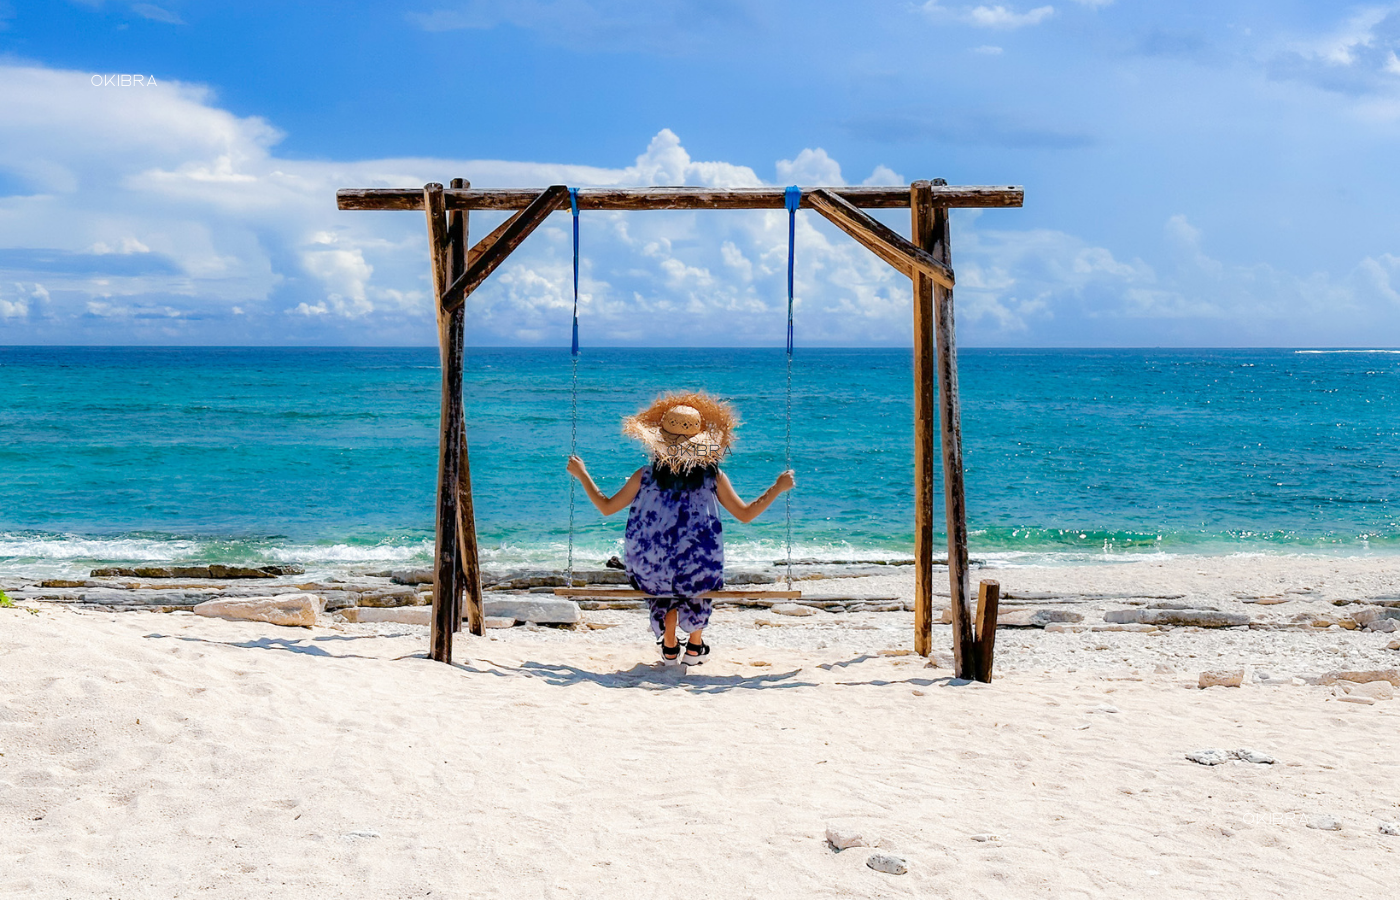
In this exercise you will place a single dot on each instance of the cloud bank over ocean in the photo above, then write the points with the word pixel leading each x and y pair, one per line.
pixel 155 215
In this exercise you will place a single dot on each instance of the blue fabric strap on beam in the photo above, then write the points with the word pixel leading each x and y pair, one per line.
pixel 573 207
pixel 792 198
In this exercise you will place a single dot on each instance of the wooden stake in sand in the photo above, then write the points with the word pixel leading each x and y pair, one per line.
pixel 926 259
pixel 988 596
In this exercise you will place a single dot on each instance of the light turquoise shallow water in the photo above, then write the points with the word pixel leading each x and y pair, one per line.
pixel 327 456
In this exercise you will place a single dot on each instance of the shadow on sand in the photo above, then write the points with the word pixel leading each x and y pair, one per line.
pixel 642 675
pixel 267 643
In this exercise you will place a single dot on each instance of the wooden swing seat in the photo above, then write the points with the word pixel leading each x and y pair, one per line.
pixel 601 593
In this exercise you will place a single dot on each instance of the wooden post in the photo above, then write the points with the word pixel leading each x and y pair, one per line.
pixel 456 258
pixel 930 227
pixel 445 561
pixel 988 597
pixel 468 563
pixel 923 430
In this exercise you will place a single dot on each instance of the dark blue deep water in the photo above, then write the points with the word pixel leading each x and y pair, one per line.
pixel 328 456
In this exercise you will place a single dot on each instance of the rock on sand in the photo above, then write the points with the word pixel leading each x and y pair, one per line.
pixel 1222 678
pixel 284 609
pixel 890 865
pixel 845 837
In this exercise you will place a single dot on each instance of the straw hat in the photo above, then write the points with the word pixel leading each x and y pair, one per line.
pixel 684 430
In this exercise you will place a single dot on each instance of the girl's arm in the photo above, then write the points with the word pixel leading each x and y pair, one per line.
pixel 747 512
pixel 606 505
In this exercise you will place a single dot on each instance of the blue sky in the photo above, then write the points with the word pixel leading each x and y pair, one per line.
pixel 1197 174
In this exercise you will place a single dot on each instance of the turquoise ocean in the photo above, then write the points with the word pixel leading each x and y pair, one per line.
pixel 327 457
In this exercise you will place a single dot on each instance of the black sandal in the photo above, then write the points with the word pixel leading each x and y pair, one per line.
pixel 669 655
pixel 700 650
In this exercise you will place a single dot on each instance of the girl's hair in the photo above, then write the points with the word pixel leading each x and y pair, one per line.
pixel 669 479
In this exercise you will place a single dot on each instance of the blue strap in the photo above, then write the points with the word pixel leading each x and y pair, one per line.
pixel 792 198
pixel 573 207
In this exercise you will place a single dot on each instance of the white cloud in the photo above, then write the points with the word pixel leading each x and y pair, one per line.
pixel 1001 17
pixel 811 167
pixel 1048 287
pixel 125 246
pixel 883 176
pixel 156 13
pixel 1094 4
pixel 1356 57
pixel 990 16
pixel 987 50
pixel 155 215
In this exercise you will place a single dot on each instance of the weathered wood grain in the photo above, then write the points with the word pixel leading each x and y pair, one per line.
pixel 445 559
pixel 922 230
pixel 988 598
pixel 879 238
pixel 468 591
pixel 934 229
pixel 959 196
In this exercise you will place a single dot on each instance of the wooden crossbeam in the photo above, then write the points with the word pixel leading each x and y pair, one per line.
pixel 517 229
pixel 628 594
pixel 490 240
pixel 951 196
pixel 879 238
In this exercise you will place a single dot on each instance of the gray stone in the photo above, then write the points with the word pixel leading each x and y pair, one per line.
pixel 748 578
pixel 1392 828
pixel 214 571
pixel 1377 618
pixel 890 865
pixel 1037 618
pixel 402 596
pixel 1201 618
pixel 499 621
pixel 1324 823
pixel 287 609
pixel 1210 757
pixel 794 609
pixel 400 615
pixel 1393 645
pixel 1363 676
pixel 536 609
pixel 411 576
pixel 146 597
pixel 1254 756
pixel 340 599
pixel 986 838
pixel 845 837
pixel 1222 678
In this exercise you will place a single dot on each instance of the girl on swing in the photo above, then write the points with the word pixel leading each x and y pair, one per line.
pixel 674 545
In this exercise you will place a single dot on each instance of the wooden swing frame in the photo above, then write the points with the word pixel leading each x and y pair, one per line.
pixel 459 269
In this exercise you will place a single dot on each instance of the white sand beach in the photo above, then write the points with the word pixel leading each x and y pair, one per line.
pixel 164 755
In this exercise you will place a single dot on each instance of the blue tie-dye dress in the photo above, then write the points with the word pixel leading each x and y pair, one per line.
pixel 674 549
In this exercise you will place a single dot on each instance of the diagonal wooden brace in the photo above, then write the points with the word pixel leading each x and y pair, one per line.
pixel 879 238
pixel 498 244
